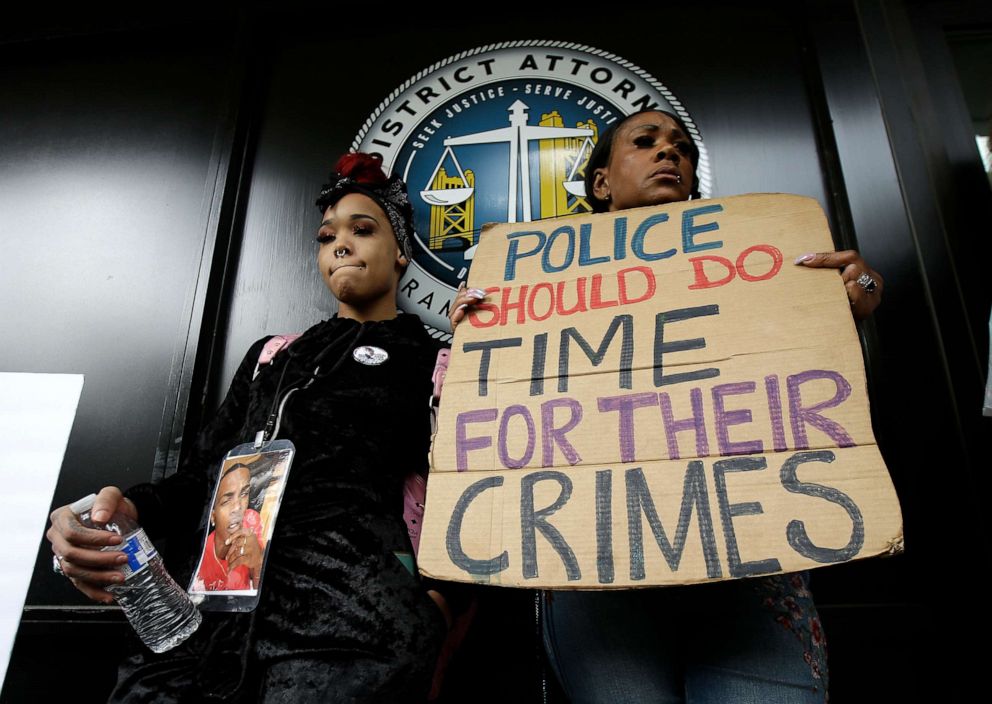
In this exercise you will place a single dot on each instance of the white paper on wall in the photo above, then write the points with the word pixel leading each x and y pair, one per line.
pixel 36 414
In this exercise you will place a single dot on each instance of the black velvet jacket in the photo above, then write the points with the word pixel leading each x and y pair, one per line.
pixel 340 618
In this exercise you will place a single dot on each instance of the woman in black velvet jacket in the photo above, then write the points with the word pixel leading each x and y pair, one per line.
pixel 340 618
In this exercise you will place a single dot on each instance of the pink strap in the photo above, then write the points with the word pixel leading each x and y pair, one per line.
pixel 440 371
pixel 415 487
pixel 273 346
pixel 414 496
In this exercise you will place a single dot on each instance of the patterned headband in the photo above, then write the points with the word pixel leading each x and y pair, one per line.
pixel 389 194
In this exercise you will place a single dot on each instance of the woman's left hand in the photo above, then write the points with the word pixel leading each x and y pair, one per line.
pixel 864 285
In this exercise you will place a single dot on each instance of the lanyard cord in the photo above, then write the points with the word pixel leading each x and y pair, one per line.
pixel 274 421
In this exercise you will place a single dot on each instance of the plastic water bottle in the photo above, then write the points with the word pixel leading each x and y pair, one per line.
pixel 159 609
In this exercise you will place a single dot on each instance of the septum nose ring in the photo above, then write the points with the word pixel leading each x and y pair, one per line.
pixel 339 253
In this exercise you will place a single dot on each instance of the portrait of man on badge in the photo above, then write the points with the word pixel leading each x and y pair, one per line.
pixel 240 524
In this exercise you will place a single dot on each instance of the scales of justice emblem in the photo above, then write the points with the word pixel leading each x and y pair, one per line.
pixel 454 230
pixel 500 134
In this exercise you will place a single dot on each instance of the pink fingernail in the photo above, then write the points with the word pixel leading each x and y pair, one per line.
pixel 477 293
pixel 463 306
pixel 804 258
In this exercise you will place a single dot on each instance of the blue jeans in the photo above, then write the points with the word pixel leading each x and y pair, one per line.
pixel 750 641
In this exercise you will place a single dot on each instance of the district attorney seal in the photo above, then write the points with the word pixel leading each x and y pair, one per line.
pixel 501 133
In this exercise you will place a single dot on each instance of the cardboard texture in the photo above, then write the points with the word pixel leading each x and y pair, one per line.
pixel 656 396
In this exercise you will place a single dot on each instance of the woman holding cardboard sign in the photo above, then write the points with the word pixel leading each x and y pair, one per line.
pixel 753 640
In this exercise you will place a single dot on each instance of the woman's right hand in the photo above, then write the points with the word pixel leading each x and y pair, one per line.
pixel 465 299
pixel 77 548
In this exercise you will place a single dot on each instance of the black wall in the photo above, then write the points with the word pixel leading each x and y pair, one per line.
pixel 106 174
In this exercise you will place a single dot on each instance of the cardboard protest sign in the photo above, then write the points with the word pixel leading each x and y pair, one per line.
pixel 656 396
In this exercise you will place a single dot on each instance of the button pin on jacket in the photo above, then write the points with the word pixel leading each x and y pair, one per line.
pixel 370 355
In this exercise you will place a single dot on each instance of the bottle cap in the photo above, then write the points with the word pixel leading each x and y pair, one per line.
pixel 82 505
